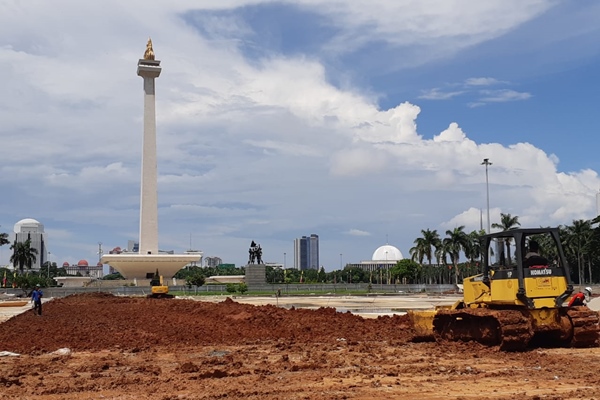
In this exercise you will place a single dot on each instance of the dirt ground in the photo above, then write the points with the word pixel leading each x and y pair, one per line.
pixel 137 348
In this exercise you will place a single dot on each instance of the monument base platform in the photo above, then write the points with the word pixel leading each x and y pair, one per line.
pixel 256 275
pixel 144 266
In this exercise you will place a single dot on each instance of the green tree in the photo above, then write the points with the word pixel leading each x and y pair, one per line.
pixel 473 249
pixel 405 269
pixel 321 275
pixel 23 255
pixel 242 288
pixel 426 245
pixel 579 238
pixel 4 239
pixel 455 242
pixel 231 288
pixel 195 279
pixel 507 223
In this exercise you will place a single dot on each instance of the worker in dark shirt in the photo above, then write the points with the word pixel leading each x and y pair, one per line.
pixel 533 259
pixel 36 297
pixel 580 298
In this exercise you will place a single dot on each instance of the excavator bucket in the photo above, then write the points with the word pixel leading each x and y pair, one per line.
pixel 423 324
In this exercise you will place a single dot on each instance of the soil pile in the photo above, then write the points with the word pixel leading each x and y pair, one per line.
pixel 137 348
pixel 99 321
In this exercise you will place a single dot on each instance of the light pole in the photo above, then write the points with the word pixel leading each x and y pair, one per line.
pixel 487 163
pixel 100 252
pixel 284 263
pixel 49 265
pixel 387 266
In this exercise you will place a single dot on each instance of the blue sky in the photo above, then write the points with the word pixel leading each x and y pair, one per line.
pixel 356 121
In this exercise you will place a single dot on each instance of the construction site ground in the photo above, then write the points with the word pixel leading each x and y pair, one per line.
pixel 98 346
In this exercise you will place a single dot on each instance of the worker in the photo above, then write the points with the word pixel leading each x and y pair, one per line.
pixel 533 259
pixel 36 298
pixel 580 298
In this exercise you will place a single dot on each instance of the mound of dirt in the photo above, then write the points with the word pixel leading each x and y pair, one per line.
pixel 99 321
pixel 138 348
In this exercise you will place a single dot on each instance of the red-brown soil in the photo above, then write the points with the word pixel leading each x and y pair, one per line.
pixel 137 348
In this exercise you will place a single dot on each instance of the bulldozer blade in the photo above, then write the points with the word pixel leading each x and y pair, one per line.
pixel 423 324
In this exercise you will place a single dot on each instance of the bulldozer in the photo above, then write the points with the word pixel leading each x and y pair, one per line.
pixel 513 303
pixel 158 288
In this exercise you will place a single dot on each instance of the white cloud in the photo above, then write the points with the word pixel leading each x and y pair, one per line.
pixel 482 81
pixel 436 94
pixel 504 95
pixel 358 232
pixel 267 149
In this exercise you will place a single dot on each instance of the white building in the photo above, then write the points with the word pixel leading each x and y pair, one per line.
pixel 385 257
pixel 33 230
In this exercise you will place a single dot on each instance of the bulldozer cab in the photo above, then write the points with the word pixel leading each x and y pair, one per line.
pixel 522 267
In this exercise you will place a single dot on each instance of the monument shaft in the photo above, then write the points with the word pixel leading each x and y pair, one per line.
pixel 149 70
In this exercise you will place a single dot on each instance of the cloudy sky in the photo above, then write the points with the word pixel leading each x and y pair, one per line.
pixel 362 122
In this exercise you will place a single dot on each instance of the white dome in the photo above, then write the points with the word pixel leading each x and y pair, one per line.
pixel 29 223
pixel 387 253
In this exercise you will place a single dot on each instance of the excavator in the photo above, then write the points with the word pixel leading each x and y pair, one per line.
pixel 513 303
pixel 159 290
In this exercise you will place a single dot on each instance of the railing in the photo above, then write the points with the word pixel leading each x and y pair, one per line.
pixel 289 289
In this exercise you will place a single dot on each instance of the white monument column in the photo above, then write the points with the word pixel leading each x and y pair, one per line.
pixel 149 69
pixel 144 264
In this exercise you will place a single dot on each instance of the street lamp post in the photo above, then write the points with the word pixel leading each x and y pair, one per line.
pixel 487 163
pixel 341 262
pixel 284 262
pixel 49 265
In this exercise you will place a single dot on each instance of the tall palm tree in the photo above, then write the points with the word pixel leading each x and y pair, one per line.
pixel 417 253
pixel 426 245
pixel 507 223
pixel 579 239
pixel 455 242
pixel 441 255
pixel 23 255
pixel 473 249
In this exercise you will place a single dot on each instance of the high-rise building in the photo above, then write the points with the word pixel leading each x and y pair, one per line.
pixel 32 230
pixel 213 262
pixel 306 252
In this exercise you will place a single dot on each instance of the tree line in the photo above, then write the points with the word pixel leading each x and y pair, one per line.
pixel 433 259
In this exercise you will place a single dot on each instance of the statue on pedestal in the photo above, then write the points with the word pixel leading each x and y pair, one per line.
pixel 255 254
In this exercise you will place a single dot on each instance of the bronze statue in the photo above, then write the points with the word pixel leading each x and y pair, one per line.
pixel 149 53
pixel 255 253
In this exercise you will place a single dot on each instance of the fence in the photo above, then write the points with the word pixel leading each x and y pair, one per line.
pixel 289 289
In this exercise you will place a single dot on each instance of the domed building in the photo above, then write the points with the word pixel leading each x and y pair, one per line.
pixel 32 230
pixel 83 268
pixel 384 258
pixel 387 253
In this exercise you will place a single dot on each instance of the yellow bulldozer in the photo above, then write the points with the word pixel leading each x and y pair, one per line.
pixel 516 301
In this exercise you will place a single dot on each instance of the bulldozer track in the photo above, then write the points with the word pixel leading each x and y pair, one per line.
pixel 516 330
pixel 510 329
pixel 586 330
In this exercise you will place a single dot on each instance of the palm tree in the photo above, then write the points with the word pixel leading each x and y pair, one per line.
pixel 473 249
pixel 426 245
pixel 579 239
pixel 23 254
pixel 4 239
pixel 455 242
pixel 417 253
pixel 507 223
